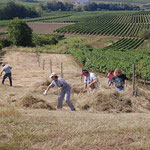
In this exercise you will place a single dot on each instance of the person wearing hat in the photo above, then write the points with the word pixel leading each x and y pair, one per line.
pixel 91 80
pixel 65 90
pixel 7 70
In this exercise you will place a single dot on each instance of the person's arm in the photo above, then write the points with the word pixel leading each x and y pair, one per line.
pixel 1 72
pixel 113 80
pixel 84 88
pixel 48 88
pixel 92 83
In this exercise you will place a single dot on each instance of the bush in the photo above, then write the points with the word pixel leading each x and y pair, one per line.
pixel 5 42
pixel 19 33
pixel 40 40
pixel 145 34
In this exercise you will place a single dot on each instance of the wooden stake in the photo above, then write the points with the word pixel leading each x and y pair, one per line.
pixel 43 64
pixel 133 80
pixel 50 63
pixel 61 69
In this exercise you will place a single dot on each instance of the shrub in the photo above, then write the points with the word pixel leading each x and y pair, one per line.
pixel 5 42
pixel 19 33
pixel 40 40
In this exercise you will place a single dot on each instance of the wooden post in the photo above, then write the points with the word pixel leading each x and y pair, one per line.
pixel 136 92
pixel 81 72
pixel 133 80
pixel 50 63
pixel 38 58
pixel 144 81
pixel 43 64
pixel 39 61
pixel 61 69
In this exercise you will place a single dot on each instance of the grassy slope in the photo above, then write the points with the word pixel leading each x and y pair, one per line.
pixel 40 129
pixel 64 130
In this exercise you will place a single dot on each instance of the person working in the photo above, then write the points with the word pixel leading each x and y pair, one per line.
pixel 119 79
pixel 65 90
pixel 7 70
pixel 90 81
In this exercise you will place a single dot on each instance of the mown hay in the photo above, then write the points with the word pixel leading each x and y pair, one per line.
pixel 112 101
pixel 34 102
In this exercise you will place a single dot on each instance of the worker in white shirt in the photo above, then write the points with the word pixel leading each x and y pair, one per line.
pixel 7 70
pixel 90 81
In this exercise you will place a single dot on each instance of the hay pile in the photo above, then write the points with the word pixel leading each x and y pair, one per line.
pixel 34 102
pixel 112 101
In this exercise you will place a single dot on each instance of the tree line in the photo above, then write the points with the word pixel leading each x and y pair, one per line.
pixel 55 6
pixel 12 10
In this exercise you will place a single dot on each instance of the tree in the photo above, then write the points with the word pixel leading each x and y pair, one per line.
pixel 19 32
pixel 12 10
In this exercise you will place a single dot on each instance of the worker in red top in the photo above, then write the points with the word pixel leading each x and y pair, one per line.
pixel 110 76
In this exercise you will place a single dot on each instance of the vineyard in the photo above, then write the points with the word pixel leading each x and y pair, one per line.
pixel 125 44
pixel 108 58
pixel 111 24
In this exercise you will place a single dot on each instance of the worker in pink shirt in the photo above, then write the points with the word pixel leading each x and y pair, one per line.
pixel 110 76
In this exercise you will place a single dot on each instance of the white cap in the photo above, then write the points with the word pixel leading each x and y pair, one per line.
pixel 53 75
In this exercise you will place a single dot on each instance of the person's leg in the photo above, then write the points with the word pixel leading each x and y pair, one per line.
pixel 10 79
pixel 67 99
pixel 60 99
pixel 4 77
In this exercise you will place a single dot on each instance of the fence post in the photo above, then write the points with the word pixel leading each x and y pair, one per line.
pixel 38 58
pixel 133 80
pixel 50 63
pixel 61 69
pixel 43 64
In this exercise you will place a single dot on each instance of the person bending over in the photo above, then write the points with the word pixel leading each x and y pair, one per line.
pixel 65 90
pixel 90 81
pixel 7 70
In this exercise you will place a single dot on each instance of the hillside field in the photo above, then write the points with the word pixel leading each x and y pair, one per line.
pixel 103 120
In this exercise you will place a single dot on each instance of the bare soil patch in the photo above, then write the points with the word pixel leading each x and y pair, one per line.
pixel 39 27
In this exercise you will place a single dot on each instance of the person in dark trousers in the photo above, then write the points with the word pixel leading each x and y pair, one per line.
pixel 7 70
pixel 65 90
pixel 119 79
